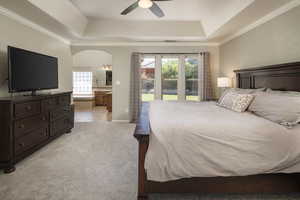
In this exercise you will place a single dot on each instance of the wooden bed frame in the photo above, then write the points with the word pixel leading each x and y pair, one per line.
pixel 278 77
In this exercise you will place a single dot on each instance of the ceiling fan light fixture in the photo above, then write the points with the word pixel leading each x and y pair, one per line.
pixel 145 3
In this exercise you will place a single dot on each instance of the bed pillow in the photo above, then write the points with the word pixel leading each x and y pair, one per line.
pixel 293 93
pixel 241 91
pixel 235 101
pixel 282 109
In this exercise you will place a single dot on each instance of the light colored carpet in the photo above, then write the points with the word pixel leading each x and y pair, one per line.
pixel 97 161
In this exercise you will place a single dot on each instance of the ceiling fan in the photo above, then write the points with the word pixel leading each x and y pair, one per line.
pixel 155 9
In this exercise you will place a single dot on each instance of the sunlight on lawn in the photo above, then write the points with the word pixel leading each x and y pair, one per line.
pixel 192 98
pixel 147 97
pixel 150 97
pixel 170 97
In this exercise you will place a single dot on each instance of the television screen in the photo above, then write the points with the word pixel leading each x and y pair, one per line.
pixel 30 71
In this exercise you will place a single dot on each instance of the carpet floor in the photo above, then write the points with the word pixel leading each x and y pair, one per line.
pixel 97 161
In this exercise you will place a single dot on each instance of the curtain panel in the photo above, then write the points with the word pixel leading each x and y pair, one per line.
pixel 205 81
pixel 135 87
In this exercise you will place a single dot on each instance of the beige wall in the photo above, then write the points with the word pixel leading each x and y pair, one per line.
pixel 15 34
pixel 121 69
pixel 275 42
pixel 92 59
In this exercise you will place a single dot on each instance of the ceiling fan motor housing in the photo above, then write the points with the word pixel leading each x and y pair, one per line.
pixel 145 3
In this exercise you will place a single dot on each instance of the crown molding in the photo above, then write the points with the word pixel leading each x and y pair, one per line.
pixel 192 44
pixel 263 20
pixel 26 22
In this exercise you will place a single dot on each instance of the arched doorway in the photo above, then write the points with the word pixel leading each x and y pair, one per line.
pixel 92 85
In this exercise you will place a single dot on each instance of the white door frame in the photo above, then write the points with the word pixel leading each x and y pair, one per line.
pixel 181 84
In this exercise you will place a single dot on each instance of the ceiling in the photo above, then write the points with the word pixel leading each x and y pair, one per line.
pixel 185 20
pixel 176 10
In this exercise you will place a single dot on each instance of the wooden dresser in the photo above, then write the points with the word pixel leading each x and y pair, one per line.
pixel 28 123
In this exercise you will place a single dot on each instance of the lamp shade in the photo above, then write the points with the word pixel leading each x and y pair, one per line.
pixel 224 82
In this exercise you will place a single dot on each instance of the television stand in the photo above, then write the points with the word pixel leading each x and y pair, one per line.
pixel 29 123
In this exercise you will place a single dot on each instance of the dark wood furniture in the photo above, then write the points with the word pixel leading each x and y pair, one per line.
pixel 108 77
pixel 28 123
pixel 279 77
pixel 108 101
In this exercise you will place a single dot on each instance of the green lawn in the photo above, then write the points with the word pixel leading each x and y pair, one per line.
pixel 150 97
pixel 147 97
pixel 192 98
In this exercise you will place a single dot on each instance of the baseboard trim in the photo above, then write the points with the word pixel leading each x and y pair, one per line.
pixel 121 121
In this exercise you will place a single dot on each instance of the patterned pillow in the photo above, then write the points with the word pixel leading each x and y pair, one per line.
pixel 241 91
pixel 236 102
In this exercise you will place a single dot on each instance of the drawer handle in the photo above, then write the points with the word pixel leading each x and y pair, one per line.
pixel 21 144
pixel 22 126
pixel 43 134
pixel 28 107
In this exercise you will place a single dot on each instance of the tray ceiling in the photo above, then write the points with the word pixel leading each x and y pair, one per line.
pixel 185 20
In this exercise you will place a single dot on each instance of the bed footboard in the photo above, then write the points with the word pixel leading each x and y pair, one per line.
pixel 142 133
pixel 142 178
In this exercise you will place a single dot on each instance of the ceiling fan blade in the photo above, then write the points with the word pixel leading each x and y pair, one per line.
pixel 130 8
pixel 156 10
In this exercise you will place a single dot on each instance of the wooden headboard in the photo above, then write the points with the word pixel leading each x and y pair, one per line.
pixel 277 77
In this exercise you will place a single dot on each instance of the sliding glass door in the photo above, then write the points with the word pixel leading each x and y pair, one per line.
pixel 191 79
pixel 147 78
pixel 169 75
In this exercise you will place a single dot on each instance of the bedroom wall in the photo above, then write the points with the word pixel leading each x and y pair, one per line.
pixel 121 69
pixel 92 59
pixel 274 42
pixel 16 34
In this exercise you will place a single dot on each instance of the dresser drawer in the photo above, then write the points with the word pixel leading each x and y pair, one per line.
pixel 60 113
pixel 58 127
pixel 64 100
pixel 27 109
pixel 50 104
pixel 31 140
pixel 21 127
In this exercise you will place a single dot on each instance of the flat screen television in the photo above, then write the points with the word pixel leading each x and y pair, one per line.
pixel 30 71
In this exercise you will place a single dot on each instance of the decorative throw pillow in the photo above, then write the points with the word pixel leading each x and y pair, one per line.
pixel 282 109
pixel 240 91
pixel 242 102
pixel 236 102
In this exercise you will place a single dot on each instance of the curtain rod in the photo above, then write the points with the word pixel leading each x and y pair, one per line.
pixel 170 53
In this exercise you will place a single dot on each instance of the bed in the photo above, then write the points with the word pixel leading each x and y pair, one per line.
pixel 276 177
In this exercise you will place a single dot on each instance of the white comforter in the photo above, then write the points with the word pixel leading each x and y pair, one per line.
pixel 205 140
